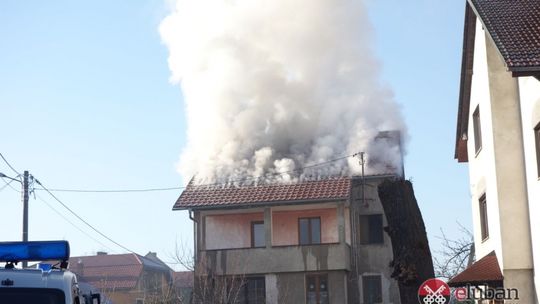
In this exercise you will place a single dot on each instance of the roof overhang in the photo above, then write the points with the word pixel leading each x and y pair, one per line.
pixel 467 60
pixel 485 271
pixel 525 71
pixel 260 204
pixel 517 71
pixel 471 14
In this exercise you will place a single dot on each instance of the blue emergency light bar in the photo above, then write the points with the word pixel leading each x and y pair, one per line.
pixel 34 251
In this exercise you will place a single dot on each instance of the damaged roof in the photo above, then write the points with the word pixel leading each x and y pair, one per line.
pixel 203 196
pixel 514 26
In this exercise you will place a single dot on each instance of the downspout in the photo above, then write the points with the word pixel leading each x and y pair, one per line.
pixel 195 227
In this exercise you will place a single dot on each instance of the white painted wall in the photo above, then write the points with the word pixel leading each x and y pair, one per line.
pixel 529 90
pixel 481 168
pixel 505 167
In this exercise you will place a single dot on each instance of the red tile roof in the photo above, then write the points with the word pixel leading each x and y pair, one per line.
pixel 337 188
pixel 514 25
pixel 108 271
pixel 106 260
pixel 486 270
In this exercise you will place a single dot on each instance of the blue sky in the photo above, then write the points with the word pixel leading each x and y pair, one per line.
pixel 86 102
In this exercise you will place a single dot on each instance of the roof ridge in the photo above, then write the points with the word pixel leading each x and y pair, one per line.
pixel 266 183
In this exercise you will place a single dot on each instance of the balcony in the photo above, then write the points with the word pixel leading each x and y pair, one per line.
pixel 279 239
pixel 320 257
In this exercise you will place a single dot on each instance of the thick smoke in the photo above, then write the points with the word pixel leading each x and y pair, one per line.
pixel 274 86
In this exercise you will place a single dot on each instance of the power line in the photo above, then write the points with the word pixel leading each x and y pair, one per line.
pixel 112 190
pixel 267 175
pixel 9 165
pixel 8 184
pixel 70 222
pixel 82 220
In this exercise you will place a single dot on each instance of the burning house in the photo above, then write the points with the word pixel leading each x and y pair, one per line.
pixel 271 91
pixel 308 241
pixel 318 241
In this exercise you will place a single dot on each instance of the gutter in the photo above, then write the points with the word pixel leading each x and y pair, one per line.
pixel 258 204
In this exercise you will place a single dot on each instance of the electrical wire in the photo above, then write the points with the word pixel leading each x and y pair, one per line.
pixel 274 174
pixel 71 223
pixel 9 165
pixel 8 184
pixel 83 220
pixel 113 191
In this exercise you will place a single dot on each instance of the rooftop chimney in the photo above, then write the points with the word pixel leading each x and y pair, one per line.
pixel 389 140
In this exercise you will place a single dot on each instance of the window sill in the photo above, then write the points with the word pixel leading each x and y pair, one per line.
pixel 485 239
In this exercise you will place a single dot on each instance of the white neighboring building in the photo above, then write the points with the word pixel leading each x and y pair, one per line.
pixel 498 134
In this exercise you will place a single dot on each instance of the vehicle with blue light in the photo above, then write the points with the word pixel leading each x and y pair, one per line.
pixel 47 284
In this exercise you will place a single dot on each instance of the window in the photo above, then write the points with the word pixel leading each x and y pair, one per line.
pixel 477 130
pixel 483 218
pixel 139 301
pixel 151 282
pixel 255 291
pixel 537 140
pixel 309 230
pixel 257 234
pixel 252 291
pixel 317 289
pixel 371 229
pixel 372 289
pixel 14 295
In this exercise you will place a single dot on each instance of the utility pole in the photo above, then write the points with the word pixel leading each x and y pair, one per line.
pixel 363 163
pixel 25 198
pixel 25 195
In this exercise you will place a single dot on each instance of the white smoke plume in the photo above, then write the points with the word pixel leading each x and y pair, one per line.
pixel 274 86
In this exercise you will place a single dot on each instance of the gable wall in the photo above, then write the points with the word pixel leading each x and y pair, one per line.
pixel 481 170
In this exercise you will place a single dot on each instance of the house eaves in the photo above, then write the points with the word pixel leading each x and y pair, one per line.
pixel 467 61
pixel 514 28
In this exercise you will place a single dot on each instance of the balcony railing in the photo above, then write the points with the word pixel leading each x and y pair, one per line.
pixel 296 258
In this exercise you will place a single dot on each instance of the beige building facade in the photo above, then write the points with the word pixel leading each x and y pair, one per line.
pixel 310 242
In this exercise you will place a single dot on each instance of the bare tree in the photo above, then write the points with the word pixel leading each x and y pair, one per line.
pixel 209 286
pixel 455 255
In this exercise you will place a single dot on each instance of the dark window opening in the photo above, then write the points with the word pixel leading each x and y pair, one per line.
pixel 537 141
pixel 371 229
pixel 252 291
pixel 258 234
pixel 317 289
pixel 309 230
pixel 152 282
pixel 477 130
pixel 484 217
pixel 31 295
pixel 372 289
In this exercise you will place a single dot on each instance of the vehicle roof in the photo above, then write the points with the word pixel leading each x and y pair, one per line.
pixel 37 278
